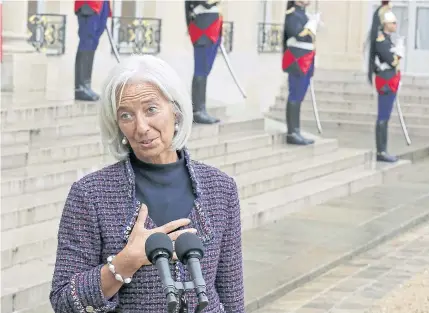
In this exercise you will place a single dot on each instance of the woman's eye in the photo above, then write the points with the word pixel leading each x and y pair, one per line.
pixel 125 116
pixel 152 109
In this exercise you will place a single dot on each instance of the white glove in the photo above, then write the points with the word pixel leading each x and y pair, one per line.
pixel 312 26
pixel 313 23
pixel 399 51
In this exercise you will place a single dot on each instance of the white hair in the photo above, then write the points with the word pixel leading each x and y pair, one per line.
pixel 143 68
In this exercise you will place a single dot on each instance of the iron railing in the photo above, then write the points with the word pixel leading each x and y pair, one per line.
pixel 270 37
pixel 133 35
pixel 47 33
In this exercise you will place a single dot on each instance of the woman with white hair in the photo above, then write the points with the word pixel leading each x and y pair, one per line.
pixel 101 266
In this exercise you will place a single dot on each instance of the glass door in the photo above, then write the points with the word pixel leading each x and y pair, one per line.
pixel 417 61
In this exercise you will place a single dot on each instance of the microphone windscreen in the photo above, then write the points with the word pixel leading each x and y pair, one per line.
pixel 158 241
pixel 186 243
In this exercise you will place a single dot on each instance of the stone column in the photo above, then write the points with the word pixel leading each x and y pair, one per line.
pixel 15 27
pixel 23 70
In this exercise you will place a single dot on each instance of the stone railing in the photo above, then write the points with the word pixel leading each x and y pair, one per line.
pixel 47 33
pixel 133 35
pixel 270 36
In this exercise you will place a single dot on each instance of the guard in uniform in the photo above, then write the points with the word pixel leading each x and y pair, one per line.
pixel 92 18
pixel 298 61
pixel 205 28
pixel 384 59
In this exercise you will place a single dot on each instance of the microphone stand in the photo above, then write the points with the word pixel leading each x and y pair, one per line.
pixel 180 288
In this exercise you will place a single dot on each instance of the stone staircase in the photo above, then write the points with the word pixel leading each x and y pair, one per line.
pixel 46 146
pixel 347 102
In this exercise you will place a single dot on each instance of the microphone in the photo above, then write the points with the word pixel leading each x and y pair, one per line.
pixel 159 250
pixel 190 251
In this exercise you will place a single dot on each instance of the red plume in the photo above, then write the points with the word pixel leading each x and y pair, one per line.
pixel 385 2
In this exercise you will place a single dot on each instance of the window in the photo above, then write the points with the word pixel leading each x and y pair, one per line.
pixel 422 29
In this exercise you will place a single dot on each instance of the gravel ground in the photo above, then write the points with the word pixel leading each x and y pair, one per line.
pixel 410 297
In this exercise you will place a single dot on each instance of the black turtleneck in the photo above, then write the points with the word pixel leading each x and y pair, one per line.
pixel 166 189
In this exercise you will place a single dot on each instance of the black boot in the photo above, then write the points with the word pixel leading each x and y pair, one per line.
pixel 88 76
pixel 381 143
pixel 82 80
pixel 199 85
pixel 294 137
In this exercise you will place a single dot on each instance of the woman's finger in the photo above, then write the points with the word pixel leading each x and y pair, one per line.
pixel 141 218
pixel 169 227
pixel 174 235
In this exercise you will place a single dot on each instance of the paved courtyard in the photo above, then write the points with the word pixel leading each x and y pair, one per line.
pixel 391 278
pixel 337 257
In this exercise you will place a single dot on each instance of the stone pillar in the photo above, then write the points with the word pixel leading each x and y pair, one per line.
pixel 15 27
pixel 23 70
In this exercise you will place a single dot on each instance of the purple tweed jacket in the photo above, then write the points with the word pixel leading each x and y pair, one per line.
pixel 98 216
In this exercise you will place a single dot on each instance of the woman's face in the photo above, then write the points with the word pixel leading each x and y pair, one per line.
pixel 146 118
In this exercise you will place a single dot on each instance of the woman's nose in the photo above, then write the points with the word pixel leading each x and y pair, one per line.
pixel 142 124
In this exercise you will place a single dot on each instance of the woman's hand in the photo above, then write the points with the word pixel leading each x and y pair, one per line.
pixel 135 248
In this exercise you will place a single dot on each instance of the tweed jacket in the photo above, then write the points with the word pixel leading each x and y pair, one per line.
pixel 98 216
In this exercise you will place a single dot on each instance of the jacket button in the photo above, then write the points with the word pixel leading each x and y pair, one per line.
pixel 89 309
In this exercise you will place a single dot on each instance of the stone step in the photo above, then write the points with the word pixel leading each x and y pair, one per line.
pixel 50 175
pixel 410 119
pixel 231 124
pixel 358 85
pixel 27 286
pixel 50 111
pixel 23 214
pixel 348 83
pixel 35 133
pixel 358 94
pixel 265 180
pixel 58 150
pixel 353 106
pixel 358 116
pixel 40 131
pixel 394 126
pixel 353 76
pixel 19 181
pixel 352 125
pixel 24 244
pixel 274 205
pixel 255 159
pixel 255 152
pixel 11 99
pixel 30 208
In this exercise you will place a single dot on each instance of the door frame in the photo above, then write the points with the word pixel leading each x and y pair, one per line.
pixel 415 57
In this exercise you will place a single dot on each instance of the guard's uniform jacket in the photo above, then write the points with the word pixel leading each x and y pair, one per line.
pixel 298 43
pixel 386 64
pixel 204 21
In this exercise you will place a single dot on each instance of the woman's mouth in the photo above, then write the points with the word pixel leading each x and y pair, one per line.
pixel 147 143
